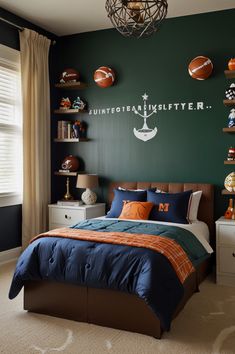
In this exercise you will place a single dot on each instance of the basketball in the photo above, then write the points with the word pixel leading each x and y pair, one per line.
pixel 69 75
pixel 200 68
pixel 104 77
pixel 231 64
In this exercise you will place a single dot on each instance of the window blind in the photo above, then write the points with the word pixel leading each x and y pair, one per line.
pixel 10 127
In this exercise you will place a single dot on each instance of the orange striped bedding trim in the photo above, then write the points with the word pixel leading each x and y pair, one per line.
pixel 169 248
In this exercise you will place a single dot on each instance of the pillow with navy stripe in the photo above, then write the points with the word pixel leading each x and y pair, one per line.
pixel 120 196
pixel 169 207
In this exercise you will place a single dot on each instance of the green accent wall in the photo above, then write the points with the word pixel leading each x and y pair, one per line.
pixel 190 145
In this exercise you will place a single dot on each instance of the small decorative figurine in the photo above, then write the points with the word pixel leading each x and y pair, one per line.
pixel 69 75
pixel 231 154
pixel 231 118
pixel 231 64
pixel 79 129
pixel 65 103
pixel 230 93
pixel 78 104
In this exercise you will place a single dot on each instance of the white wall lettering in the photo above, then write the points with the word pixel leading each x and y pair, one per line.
pixel 179 106
pixel 145 133
pixel 200 105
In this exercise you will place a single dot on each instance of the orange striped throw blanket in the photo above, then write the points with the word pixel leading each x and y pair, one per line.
pixel 169 248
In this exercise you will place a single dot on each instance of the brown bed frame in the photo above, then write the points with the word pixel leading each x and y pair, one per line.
pixel 113 308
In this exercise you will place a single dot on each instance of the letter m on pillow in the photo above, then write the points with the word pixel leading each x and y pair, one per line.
pixel 163 207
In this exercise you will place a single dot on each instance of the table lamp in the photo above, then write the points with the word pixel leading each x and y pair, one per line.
pixel 88 181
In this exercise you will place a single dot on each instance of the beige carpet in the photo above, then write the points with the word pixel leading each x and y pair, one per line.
pixel 206 325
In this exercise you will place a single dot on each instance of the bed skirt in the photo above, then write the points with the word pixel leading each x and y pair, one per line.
pixel 103 307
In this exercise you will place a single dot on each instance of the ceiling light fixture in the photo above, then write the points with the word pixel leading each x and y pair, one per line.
pixel 136 18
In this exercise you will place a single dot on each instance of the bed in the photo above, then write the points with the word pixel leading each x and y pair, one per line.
pixel 113 308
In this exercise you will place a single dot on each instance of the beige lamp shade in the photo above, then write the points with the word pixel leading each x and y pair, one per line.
pixel 87 181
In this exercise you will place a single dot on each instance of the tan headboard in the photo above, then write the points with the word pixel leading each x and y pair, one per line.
pixel 206 207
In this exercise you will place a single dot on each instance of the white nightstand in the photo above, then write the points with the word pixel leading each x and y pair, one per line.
pixel 225 251
pixel 62 216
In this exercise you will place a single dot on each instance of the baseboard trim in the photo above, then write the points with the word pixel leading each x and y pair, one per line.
pixel 10 255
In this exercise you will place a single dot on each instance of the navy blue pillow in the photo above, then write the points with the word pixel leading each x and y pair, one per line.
pixel 169 207
pixel 120 196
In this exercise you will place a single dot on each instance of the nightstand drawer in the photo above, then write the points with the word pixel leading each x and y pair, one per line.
pixel 227 260
pixel 226 234
pixel 66 216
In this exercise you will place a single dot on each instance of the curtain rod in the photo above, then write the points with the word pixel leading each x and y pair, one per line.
pixel 11 24
pixel 18 27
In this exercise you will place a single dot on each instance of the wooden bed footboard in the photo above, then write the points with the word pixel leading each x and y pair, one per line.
pixel 103 307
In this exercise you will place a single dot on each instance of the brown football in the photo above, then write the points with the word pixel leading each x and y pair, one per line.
pixel 70 163
pixel 104 76
pixel 200 68
pixel 69 75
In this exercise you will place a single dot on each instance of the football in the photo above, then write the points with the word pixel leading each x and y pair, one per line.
pixel 200 68
pixel 69 75
pixel 104 77
pixel 70 163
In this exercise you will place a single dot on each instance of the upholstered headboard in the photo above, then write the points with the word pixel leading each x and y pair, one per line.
pixel 206 207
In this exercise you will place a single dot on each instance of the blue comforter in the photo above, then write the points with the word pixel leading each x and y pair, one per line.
pixel 139 271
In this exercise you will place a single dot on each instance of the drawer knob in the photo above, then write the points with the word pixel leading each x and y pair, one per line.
pixel 233 254
pixel 69 218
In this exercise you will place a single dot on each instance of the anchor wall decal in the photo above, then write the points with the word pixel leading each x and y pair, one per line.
pixel 145 133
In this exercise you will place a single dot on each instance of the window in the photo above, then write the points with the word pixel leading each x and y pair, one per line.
pixel 10 127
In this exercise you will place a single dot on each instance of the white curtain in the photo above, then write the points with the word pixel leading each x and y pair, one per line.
pixel 34 50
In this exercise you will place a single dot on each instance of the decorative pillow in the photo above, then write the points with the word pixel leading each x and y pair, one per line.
pixel 120 196
pixel 194 205
pixel 136 210
pixel 169 207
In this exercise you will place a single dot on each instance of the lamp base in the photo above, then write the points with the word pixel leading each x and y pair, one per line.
pixel 89 197
pixel 67 195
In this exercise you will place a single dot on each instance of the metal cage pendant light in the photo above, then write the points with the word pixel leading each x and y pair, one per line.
pixel 136 18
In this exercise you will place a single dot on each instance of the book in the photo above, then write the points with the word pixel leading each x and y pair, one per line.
pixel 63 129
pixel 59 129
pixel 69 131
pixel 69 202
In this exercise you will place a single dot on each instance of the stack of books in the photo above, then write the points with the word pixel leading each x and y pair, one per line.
pixel 64 129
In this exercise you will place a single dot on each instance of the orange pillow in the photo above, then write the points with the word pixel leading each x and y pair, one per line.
pixel 136 210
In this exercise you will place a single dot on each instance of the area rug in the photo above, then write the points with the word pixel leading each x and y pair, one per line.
pixel 206 325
